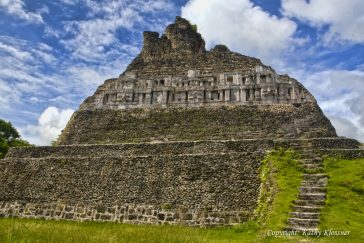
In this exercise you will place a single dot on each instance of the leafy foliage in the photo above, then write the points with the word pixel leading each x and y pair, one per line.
pixel 194 27
pixel 9 137
pixel 7 131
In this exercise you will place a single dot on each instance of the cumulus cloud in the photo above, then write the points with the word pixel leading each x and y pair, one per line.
pixel 346 128
pixel 50 124
pixel 340 95
pixel 17 8
pixel 240 25
pixel 344 18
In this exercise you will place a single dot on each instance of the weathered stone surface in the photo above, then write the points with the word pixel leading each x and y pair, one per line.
pixel 175 70
pixel 176 90
pixel 180 148
pixel 18 209
pixel 205 123
pixel 176 180
pixel 161 188
pixel 176 139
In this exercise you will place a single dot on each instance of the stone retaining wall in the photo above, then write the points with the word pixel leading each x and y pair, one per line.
pixel 182 147
pixel 220 184
pixel 342 153
pixel 191 124
pixel 124 213
pixel 142 149
pixel 203 183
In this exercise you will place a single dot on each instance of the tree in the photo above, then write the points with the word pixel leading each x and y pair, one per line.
pixel 7 131
pixel 9 137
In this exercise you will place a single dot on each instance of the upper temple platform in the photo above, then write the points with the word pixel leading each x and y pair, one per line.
pixel 176 90
pixel 254 86
pixel 175 70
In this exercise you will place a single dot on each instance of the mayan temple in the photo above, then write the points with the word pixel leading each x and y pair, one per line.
pixel 177 138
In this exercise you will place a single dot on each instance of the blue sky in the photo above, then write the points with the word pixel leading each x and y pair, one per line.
pixel 55 53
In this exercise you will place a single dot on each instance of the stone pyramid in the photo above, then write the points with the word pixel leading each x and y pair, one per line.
pixel 178 138
pixel 176 90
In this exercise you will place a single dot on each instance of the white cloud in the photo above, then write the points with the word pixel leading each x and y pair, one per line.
pixel 88 77
pixel 92 36
pixel 69 2
pixel 14 51
pixel 8 95
pixel 345 127
pixel 25 51
pixel 241 26
pixel 345 18
pixel 50 124
pixel 21 66
pixel 340 95
pixel 17 8
pixel 95 38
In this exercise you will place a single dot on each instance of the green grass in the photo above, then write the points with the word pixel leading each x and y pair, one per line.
pixel 345 201
pixel 281 175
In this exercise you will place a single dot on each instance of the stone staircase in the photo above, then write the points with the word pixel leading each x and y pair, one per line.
pixel 305 215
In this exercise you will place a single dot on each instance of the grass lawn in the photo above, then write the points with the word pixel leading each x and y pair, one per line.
pixel 345 202
pixel 344 211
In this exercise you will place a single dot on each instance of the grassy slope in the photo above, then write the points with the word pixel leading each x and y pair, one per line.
pixel 344 212
pixel 345 202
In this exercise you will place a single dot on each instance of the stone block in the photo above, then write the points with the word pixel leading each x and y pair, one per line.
pixel 132 217
pixel 68 215
pixel 161 216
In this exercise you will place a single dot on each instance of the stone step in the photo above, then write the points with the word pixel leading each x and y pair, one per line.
pixel 310 160
pixel 312 196
pixel 314 184
pixel 304 223
pixel 309 153
pixel 313 171
pixel 313 166
pixel 308 209
pixel 313 179
pixel 314 176
pixel 317 159
pixel 305 215
pixel 302 202
pixel 312 189
pixel 312 163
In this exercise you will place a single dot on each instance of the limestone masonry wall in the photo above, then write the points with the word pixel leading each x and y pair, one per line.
pixel 143 149
pixel 205 123
pixel 208 180
pixel 177 148
pixel 191 187
pixel 204 183
pixel 122 213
